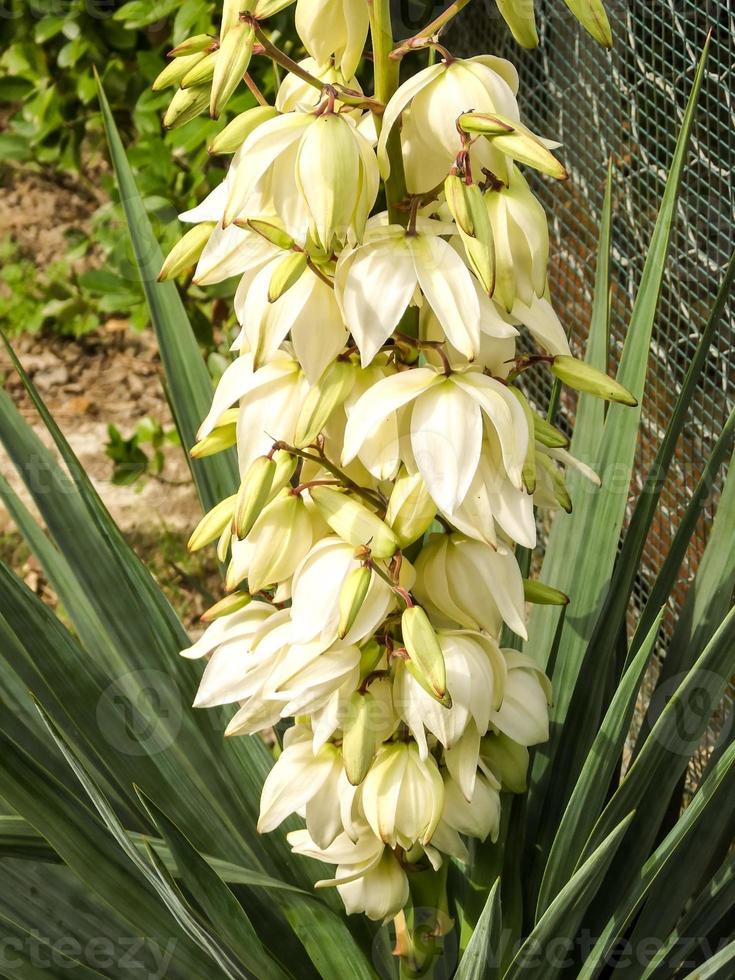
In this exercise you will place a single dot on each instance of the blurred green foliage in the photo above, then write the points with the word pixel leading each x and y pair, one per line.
pixel 50 124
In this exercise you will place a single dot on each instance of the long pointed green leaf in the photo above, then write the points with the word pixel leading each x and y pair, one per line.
pixel 172 900
pixel 563 916
pixel 588 796
pixel 717 967
pixel 481 959
pixel 674 737
pixel 217 901
pixel 29 954
pixel 84 845
pixel 707 910
pixel 592 533
pixel 717 788
pixel 189 385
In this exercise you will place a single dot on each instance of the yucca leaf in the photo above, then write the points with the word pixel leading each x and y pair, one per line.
pixel 588 796
pixel 190 924
pixel 85 847
pixel 188 383
pixel 705 913
pixel 563 916
pixel 138 650
pixel 223 910
pixel 717 967
pixel 592 532
pixel 589 416
pixel 18 943
pixel 481 958
pixel 676 551
pixel 676 733
pixel 717 789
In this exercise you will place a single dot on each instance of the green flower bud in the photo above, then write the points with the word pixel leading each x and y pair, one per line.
pixel 253 495
pixel 202 72
pixel 285 468
pixel 237 131
pixel 192 45
pixel 351 597
pixel 358 737
pixel 519 16
pixel 233 59
pixel 558 486
pixel 227 606
pixel 515 140
pixel 410 508
pixel 353 522
pixel 322 399
pixel 426 660
pixel 592 16
pixel 288 272
pixel 186 251
pixel 281 536
pixel 548 434
pixel 186 105
pixel 543 595
pixel 529 463
pixel 583 377
pixel 212 524
pixel 507 759
pixel 220 439
pixel 175 71
pixel 467 205
pixel 370 656
pixel 272 233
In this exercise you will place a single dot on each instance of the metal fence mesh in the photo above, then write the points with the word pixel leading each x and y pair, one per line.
pixel 627 104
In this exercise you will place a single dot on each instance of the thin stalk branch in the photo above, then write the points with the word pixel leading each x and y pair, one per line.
pixel 426 35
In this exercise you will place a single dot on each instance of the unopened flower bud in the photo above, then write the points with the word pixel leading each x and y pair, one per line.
pixel 520 18
pixel 231 10
pixel 286 274
pixel 426 660
pixel 233 58
pixel 508 761
pixel 592 16
pixel 548 434
pixel 583 377
pixel 556 484
pixel 237 131
pixel 225 607
pixel 185 253
pixel 277 542
pixel 186 105
pixel 202 72
pixel 358 737
pixel 517 141
pixel 351 597
pixel 467 205
pixel 272 233
pixel 253 494
pixel 176 70
pixel 529 463
pixel 212 524
pixel 410 508
pixel 286 464
pixel 370 656
pixel 353 522
pixel 223 437
pixel 192 45
pixel 543 595
pixel 323 398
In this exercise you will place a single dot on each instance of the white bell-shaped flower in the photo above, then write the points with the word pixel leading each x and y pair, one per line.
pixel 403 262
pixel 307 310
pixel 369 877
pixel 477 817
pixel 471 584
pixel 333 29
pixel 402 795
pixel 445 423
pixel 304 780
pixel 270 399
pixel 475 680
pixel 316 590
pixel 524 713
pixel 431 101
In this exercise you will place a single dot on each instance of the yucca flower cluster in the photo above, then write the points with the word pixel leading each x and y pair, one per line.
pixel 390 255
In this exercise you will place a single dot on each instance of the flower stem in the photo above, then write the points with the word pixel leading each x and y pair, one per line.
pixel 386 80
pixel 425 35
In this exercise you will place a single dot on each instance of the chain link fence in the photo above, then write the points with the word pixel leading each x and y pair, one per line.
pixel 627 105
